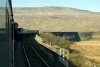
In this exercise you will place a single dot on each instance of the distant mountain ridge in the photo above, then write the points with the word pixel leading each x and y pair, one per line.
pixel 29 10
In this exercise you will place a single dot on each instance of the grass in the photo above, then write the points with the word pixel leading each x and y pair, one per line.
pixel 89 49
pixel 78 60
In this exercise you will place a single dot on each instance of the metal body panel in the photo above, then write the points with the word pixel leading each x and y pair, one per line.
pixel 5 34
pixel 3 49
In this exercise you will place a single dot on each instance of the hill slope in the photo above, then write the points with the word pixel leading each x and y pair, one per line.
pixel 35 10
pixel 57 19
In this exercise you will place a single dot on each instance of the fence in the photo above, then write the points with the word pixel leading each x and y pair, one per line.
pixel 63 54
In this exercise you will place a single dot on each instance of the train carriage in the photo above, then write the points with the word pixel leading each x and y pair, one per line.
pixel 6 35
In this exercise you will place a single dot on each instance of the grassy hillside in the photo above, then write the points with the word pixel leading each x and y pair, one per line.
pixel 57 19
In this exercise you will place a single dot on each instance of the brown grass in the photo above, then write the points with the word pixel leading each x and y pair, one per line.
pixel 89 49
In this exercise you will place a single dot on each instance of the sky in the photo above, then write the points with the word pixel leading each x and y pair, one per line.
pixel 91 5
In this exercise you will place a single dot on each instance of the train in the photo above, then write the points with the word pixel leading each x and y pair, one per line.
pixel 6 34
pixel 30 32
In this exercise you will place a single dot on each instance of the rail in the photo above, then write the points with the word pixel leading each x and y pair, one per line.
pixel 29 49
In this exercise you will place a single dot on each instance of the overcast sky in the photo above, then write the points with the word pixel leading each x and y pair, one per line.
pixel 91 5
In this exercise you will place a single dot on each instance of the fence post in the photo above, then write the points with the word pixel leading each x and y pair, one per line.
pixel 67 54
pixel 63 52
pixel 60 51
pixel 95 65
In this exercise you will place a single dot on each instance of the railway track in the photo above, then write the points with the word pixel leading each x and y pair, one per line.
pixel 36 55
pixel 32 56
